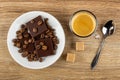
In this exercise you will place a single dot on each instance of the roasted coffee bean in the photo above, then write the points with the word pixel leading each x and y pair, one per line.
pixel 17 32
pixel 32 55
pixel 18 45
pixel 44 47
pixel 30 40
pixel 20 37
pixel 51 36
pixel 55 47
pixel 39 22
pixel 20 50
pixel 40 59
pixel 37 46
pixel 41 43
pixel 24 46
pixel 14 40
pixel 48 31
pixel 33 40
pixel 54 38
pixel 22 26
pixel 32 21
pixel 34 30
pixel 25 54
pixel 30 59
pixel 46 36
pixel 22 30
pixel 26 35
pixel 29 55
pixel 42 36
pixel 34 52
pixel 57 41
pixel 15 44
pixel 36 59
pixel 25 42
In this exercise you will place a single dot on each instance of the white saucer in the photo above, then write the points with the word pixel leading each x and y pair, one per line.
pixel 48 60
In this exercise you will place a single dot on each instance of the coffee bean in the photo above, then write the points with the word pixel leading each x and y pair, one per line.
pixel 34 52
pixel 20 37
pixel 22 26
pixel 15 44
pixel 30 59
pixel 37 46
pixel 18 45
pixel 42 36
pixel 44 47
pixel 34 30
pixel 51 36
pixel 30 40
pixel 40 59
pixel 46 36
pixel 48 31
pixel 32 55
pixel 26 35
pixel 24 46
pixel 20 50
pixel 32 21
pixel 39 22
pixel 14 40
pixel 35 59
pixel 55 47
pixel 33 40
pixel 18 32
pixel 25 54
pixel 41 43
pixel 25 42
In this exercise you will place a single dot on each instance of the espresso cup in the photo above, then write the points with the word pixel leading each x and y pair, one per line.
pixel 83 23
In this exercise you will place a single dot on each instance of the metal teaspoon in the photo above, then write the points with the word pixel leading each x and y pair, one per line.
pixel 107 30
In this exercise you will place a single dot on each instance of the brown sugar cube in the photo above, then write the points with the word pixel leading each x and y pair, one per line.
pixel 79 46
pixel 70 57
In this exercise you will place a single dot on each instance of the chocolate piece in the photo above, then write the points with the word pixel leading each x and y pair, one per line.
pixel 40 28
pixel 49 44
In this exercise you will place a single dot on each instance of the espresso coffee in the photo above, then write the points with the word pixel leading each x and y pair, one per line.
pixel 83 23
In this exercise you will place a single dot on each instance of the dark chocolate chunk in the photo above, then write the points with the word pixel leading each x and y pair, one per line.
pixel 49 44
pixel 40 28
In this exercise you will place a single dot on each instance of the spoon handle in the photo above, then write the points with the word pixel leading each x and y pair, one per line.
pixel 95 60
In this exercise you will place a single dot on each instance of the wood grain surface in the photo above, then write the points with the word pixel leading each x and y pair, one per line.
pixel 108 67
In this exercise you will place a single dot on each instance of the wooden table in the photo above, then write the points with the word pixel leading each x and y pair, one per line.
pixel 108 67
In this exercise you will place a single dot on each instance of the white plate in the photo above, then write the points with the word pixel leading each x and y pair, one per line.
pixel 22 20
